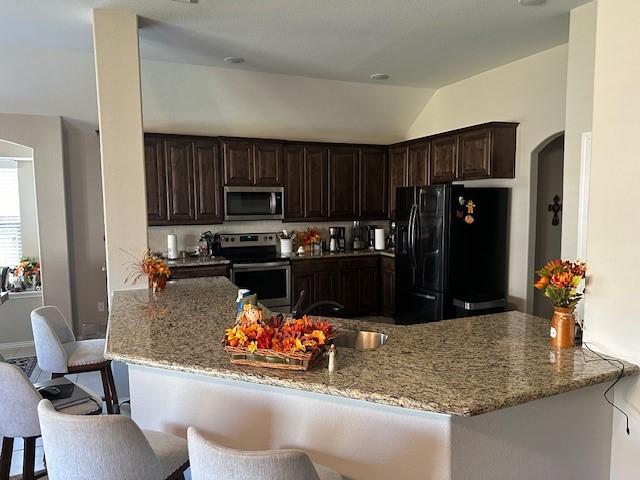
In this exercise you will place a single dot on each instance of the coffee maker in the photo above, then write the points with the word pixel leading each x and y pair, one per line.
pixel 333 239
pixel 342 242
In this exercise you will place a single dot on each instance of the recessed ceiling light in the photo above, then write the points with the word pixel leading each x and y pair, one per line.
pixel 378 76
pixel 234 59
pixel 529 3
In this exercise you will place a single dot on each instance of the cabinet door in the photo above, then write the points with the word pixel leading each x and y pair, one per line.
pixel 155 179
pixel 326 285
pixel 343 183
pixel 303 281
pixel 373 183
pixel 268 164
pixel 316 183
pixel 475 151
pixel 208 182
pixel 418 165
pixel 444 153
pixel 397 175
pixel 238 162
pixel 368 291
pixel 349 292
pixel 388 286
pixel 294 182
pixel 180 180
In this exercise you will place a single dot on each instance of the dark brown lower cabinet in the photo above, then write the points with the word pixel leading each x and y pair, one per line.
pixel 388 286
pixel 198 271
pixel 353 282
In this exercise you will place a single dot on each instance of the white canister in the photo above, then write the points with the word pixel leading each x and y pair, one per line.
pixel 379 239
pixel 172 247
pixel 286 246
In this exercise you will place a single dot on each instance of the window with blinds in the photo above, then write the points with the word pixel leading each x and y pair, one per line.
pixel 10 238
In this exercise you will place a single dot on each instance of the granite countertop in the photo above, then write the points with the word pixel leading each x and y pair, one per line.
pixel 457 367
pixel 348 253
pixel 197 261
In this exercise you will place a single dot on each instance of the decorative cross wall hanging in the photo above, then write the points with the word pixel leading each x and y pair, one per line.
pixel 556 208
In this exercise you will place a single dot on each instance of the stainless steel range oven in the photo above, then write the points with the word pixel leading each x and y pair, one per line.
pixel 257 266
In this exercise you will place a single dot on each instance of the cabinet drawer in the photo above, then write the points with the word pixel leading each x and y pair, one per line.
pixel 357 263
pixel 178 273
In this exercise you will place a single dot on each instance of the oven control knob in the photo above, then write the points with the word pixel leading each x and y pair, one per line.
pixel 233 239
pixel 265 237
pixel 270 237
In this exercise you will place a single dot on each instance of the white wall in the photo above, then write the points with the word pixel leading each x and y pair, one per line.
pixel 530 91
pixel 582 38
pixel 611 309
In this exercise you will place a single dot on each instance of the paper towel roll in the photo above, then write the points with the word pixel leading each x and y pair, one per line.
pixel 172 246
pixel 379 239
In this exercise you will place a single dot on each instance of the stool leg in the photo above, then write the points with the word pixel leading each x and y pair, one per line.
pixel 29 458
pixel 107 389
pixel 5 457
pixel 114 394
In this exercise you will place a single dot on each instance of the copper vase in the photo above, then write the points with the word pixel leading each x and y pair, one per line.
pixel 563 328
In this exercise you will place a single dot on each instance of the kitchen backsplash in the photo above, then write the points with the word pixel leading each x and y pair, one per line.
pixel 188 235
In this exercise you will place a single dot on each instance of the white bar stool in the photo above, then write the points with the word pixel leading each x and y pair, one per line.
pixel 108 447
pixel 19 418
pixel 59 353
pixel 213 462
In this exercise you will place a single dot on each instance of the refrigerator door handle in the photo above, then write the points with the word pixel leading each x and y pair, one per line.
pixel 422 295
pixel 412 233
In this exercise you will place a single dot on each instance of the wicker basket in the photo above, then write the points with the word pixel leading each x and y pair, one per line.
pixel 273 359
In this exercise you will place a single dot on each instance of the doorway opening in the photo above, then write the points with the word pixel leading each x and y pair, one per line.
pixel 548 213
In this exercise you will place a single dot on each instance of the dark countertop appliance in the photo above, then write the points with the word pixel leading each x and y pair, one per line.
pixel 451 252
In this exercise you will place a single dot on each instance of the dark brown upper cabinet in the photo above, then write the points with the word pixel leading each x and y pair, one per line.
pixel 156 180
pixel 238 162
pixel 444 159
pixel 208 182
pixel 344 175
pixel 183 180
pixel 373 183
pixel 474 154
pixel 252 162
pixel 180 180
pixel 398 161
pixel 418 165
pixel 268 163
pixel 294 182
pixel 316 182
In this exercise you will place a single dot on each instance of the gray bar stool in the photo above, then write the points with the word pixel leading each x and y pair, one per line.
pixel 59 353
pixel 108 447
pixel 212 462
pixel 19 418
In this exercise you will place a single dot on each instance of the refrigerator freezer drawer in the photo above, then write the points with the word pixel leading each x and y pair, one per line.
pixel 486 305
pixel 420 307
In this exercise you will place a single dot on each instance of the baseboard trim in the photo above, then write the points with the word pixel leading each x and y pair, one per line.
pixel 7 346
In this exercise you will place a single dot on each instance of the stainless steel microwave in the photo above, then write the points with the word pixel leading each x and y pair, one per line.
pixel 253 203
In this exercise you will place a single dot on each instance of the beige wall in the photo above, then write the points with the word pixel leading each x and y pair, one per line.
pixel 582 38
pixel 28 212
pixel 15 319
pixel 530 91
pixel 612 322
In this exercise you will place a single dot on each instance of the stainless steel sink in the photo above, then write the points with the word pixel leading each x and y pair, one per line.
pixel 360 339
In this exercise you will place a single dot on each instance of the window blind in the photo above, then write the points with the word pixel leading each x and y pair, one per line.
pixel 10 237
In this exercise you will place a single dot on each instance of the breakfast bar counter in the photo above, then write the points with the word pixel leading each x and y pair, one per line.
pixel 426 395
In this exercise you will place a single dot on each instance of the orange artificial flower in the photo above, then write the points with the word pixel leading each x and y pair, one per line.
pixel 542 283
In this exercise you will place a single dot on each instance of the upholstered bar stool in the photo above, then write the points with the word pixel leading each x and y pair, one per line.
pixel 19 418
pixel 109 447
pixel 59 353
pixel 212 462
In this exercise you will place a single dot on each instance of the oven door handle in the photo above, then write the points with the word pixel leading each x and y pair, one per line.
pixel 259 266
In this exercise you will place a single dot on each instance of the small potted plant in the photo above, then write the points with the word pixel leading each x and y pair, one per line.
pixel 560 281
pixel 28 271
pixel 154 269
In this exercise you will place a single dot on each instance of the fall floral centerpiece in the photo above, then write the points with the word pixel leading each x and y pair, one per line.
pixel 293 344
pixel 309 237
pixel 560 280
pixel 28 270
pixel 154 269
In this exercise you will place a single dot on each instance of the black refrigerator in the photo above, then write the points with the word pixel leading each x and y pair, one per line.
pixel 451 252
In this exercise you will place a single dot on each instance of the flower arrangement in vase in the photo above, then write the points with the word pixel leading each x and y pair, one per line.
pixel 560 281
pixel 154 269
pixel 28 271
pixel 309 238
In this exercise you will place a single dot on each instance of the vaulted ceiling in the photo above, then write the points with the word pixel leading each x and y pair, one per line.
pixel 423 43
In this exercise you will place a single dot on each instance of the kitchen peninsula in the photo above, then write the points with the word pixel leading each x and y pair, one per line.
pixel 446 400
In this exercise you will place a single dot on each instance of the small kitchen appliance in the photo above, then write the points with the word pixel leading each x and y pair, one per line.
pixel 371 237
pixel 358 244
pixel 333 239
pixel 342 242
